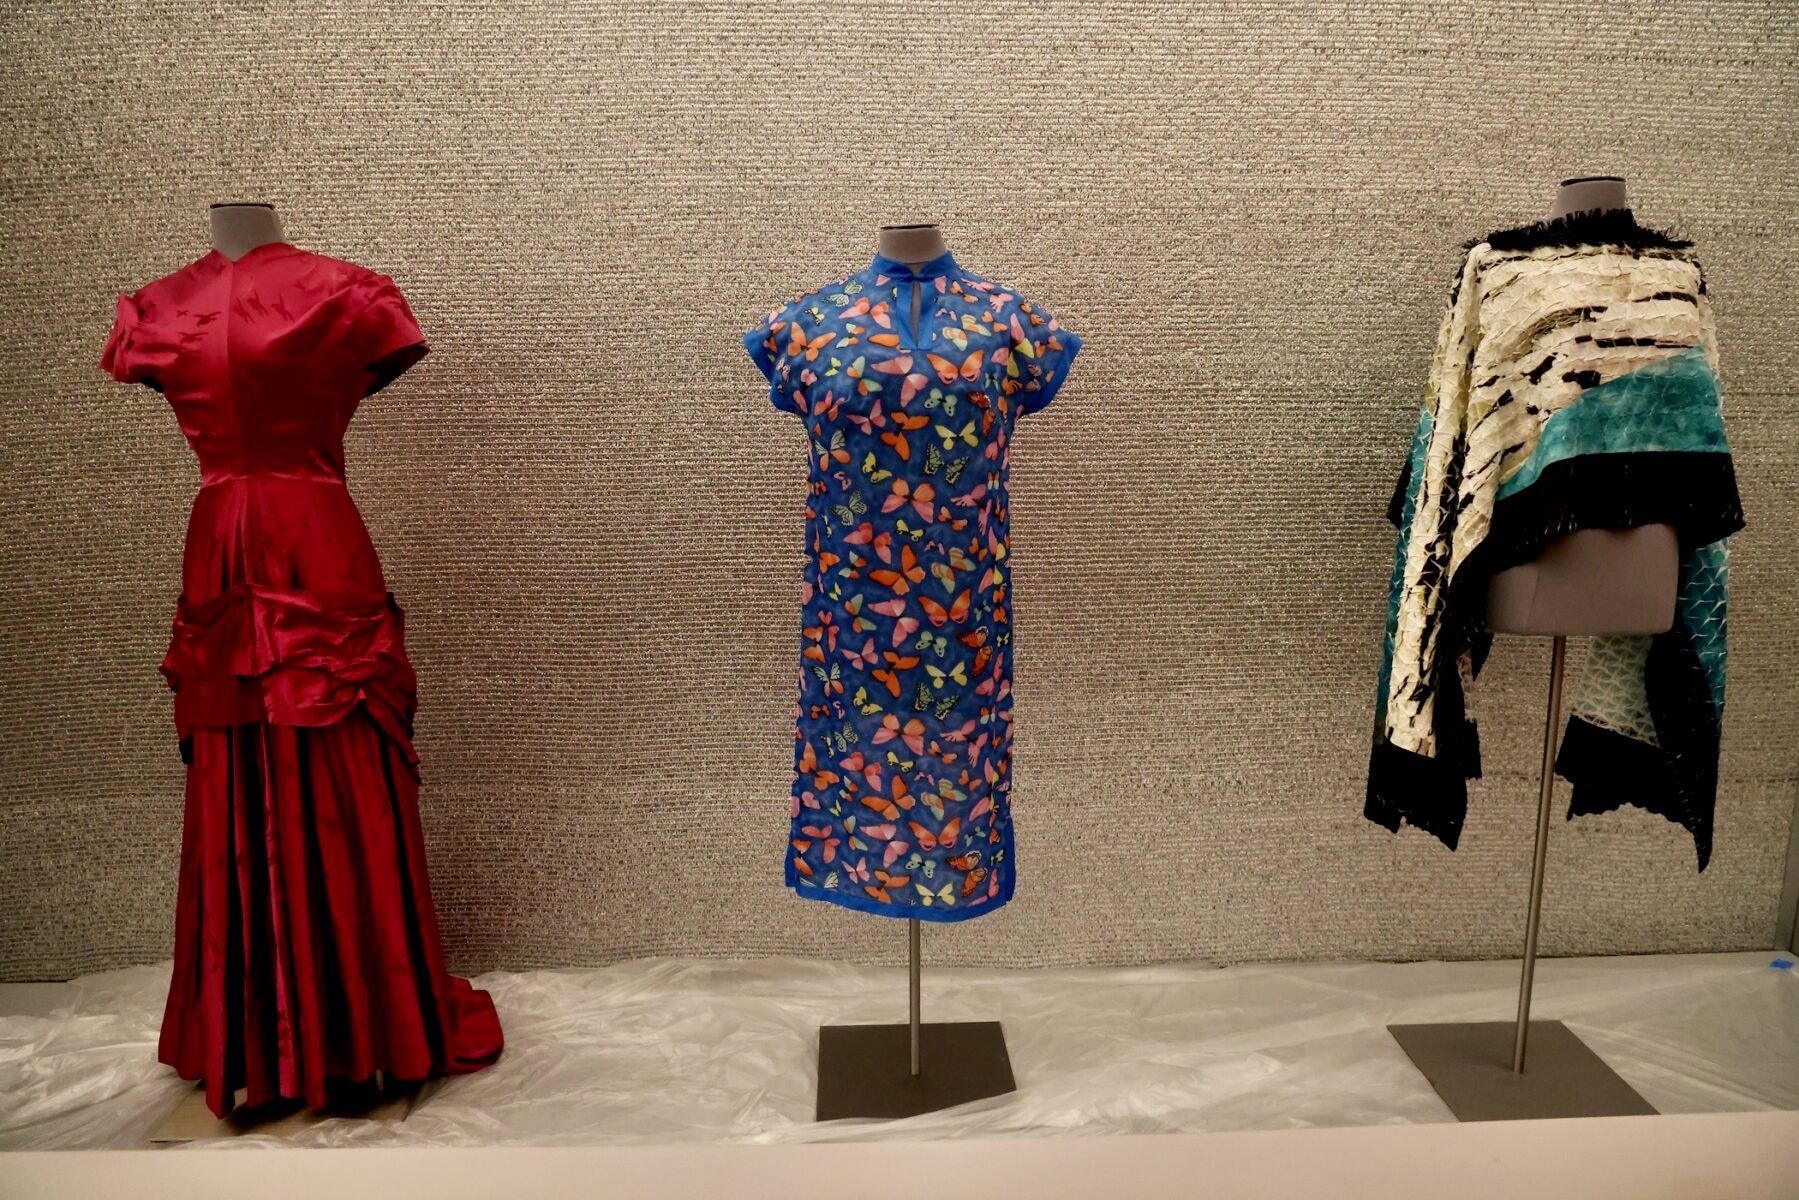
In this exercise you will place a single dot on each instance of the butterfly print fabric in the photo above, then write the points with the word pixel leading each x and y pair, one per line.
pixel 910 382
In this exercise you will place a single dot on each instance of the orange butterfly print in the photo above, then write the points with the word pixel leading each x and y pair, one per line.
pixel 799 346
pixel 948 372
pixel 900 580
pixel 952 829
pixel 808 765
pixel 870 770
pixel 940 616
pixel 889 675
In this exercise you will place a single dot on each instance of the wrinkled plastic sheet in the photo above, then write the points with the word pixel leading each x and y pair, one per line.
pixel 660 1051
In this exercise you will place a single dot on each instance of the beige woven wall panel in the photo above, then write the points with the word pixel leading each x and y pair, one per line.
pixel 1251 212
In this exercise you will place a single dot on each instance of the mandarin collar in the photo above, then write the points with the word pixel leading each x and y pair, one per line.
pixel 943 264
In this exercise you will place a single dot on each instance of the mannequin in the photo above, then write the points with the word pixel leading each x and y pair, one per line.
pixel 914 245
pixel 1592 581
pixel 880 1070
pixel 238 228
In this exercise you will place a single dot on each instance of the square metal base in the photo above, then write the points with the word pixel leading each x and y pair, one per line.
pixel 866 1070
pixel 1470 1065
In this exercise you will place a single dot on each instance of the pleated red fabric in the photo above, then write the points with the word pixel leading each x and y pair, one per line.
pixel 306 945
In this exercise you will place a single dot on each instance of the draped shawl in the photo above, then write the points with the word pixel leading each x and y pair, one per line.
pixel 1573 386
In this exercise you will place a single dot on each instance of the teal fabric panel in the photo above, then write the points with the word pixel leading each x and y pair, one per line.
pixel 1668 405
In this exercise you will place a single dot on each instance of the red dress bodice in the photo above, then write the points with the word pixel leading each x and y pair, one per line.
pixel 284 614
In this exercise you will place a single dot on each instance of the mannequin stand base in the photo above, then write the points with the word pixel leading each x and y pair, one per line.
pixel 190 1120
pixel 1470 1065
pixel 866 1070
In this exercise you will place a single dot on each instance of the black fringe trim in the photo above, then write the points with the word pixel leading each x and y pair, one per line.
pixel 1615 227
pixel 1411 789
pixel 1396 502
pixel 1609 770
pixel 1695 491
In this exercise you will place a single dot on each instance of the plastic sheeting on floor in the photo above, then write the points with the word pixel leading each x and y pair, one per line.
pixel 668 1051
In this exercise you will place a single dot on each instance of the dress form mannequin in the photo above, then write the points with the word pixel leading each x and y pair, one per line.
pixel 915 244
pixel 1592 581
pixel 880 1070
pixel 238 228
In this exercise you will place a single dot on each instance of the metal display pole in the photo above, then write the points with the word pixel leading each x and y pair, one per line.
pixel 915 983
pixel 1545 797
pixel 878 1070
pixel 1465 1061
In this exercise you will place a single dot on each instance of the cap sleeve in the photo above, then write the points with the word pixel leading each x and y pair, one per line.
pixel 1046 350
pixel 765 347
pixel 387 338
pixel 128 357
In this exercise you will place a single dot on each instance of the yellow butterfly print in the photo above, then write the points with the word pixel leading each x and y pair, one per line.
pixel 957 673
pixel 945 895
pixel 950 436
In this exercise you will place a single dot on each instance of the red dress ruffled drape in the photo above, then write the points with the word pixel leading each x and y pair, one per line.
pixel 306 945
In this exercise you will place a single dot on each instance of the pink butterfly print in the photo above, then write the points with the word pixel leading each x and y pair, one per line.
pixel 889 608
pixel 857 873
pixel 920 498
pixel 855 764
pixel 881 833
pixel 971 496
pixel 874 312
pixel 869 423
pixel 904 628
pixel 911 733
pixel 893 852
pixel 863 659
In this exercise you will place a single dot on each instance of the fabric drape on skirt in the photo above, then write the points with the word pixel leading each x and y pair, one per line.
pixel 306 943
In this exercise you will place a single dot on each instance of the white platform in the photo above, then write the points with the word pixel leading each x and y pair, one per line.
pixel 657 1052
pixel 1742 1156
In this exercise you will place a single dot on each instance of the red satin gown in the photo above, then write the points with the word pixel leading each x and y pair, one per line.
pixel 306 946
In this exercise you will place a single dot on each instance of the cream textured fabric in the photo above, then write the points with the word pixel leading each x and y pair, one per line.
pixel 593 517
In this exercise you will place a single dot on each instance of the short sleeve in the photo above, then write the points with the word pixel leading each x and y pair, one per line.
pixel 763 344
pixel 387 338
pixel 1049 350
pixel 123 358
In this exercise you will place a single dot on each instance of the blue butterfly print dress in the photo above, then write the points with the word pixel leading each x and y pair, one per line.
pixel 910 382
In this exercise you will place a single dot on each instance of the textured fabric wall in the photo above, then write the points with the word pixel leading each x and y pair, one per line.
pixel 1252 213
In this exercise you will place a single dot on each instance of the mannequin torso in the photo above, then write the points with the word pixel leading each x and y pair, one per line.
pixel 238 229
pixel 1593 581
